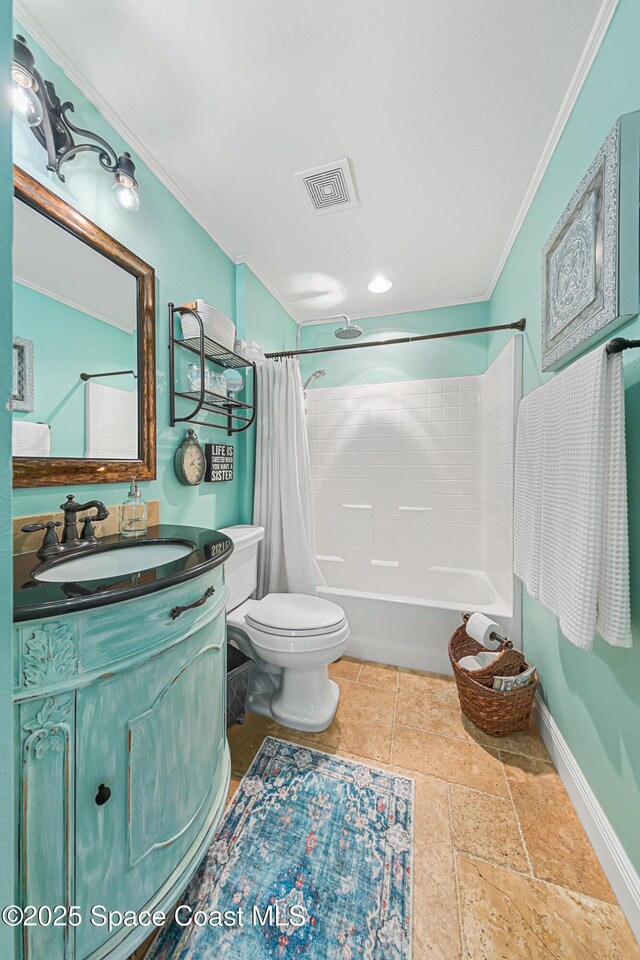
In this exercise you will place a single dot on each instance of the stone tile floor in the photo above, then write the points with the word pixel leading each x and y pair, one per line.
pixel 503 868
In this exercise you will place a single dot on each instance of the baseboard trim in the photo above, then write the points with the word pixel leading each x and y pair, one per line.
pixel 619 870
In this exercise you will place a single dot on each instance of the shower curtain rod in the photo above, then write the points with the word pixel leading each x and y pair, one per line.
pixel 518 325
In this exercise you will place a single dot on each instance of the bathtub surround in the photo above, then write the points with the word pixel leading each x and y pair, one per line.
pixel 499 393
pixel 413 485
pixel 327 841
pixel 593 698
pixel 394 474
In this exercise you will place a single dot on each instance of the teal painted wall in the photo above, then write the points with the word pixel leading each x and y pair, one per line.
pixel 7 849
pixel 59 398
pixel 594 697
pixel 264 320
pixel 261 318
pixel 415 361
pixel 188 264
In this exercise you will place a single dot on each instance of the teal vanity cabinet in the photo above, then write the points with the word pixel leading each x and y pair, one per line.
pixel 123 758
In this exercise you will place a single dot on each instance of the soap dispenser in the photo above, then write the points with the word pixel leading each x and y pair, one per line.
pixel 133 514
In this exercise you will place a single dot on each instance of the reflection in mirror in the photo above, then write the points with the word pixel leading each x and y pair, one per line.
pixel 74 312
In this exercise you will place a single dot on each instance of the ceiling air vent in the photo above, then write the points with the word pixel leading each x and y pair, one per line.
pixel 330 187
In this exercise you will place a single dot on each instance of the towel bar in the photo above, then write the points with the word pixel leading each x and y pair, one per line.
pixel 619 344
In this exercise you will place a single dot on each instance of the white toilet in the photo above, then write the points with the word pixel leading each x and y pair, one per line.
pixel 292 637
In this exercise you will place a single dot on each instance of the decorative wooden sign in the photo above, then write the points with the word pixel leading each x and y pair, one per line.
pixel 219 462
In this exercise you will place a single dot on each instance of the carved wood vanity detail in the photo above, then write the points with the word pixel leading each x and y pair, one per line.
pixel 122 759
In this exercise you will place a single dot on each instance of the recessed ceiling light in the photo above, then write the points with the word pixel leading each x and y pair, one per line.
pixel 380 284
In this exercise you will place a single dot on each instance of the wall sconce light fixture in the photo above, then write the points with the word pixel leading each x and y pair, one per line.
pixel 36 102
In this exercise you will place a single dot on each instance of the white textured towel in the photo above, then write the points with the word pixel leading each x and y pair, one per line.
pixel 571 545
pixel 29 439
pixel 111 431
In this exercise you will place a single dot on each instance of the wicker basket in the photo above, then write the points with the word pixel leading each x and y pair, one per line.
pixel 508 663
pixel 497 712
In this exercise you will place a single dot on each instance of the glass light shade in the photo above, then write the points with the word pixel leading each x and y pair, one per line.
pixel 26 104
pixel 126 198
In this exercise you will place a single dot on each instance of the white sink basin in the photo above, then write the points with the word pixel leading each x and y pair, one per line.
pixel 116 561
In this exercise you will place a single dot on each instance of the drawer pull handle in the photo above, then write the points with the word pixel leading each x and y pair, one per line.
pixel 103 794
pixel 175 613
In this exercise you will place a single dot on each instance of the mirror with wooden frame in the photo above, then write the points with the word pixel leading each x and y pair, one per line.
pixel 84 378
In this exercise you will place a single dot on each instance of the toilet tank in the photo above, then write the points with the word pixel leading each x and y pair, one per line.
pixel 241 569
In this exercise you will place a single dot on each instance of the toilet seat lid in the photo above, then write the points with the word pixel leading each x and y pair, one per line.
pixel 296 613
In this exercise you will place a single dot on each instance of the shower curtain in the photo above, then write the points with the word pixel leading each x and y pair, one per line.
pixel 283 502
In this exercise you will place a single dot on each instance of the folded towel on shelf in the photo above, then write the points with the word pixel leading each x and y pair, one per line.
pixel 570 501
pixel 29 439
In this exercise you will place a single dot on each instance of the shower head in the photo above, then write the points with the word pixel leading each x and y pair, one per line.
pixel 348 332
pixel 314 376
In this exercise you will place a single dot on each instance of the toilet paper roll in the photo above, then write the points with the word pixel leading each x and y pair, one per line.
pixel 480 628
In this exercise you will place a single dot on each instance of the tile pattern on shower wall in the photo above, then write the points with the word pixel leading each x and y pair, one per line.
pixel 496 428
pixel 395 476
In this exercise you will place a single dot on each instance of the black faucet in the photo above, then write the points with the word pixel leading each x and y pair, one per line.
pixel 70 532
pixel 51 546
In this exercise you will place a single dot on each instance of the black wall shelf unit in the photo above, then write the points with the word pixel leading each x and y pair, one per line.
pixel 238 415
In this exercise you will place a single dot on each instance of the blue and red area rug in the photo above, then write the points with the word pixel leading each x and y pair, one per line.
pixel 313 860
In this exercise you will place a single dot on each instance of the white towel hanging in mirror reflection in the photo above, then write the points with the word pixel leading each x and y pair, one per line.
pixel 29 439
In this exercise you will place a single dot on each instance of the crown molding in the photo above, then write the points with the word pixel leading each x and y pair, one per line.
pixel 76 76
pixel 594 41
pixel 374 316
pixel 421 309
pixel 53 50
pixel 81 308
pixel 103 106
pixel 243 258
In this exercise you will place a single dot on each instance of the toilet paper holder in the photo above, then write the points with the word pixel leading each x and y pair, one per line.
pixel 494 636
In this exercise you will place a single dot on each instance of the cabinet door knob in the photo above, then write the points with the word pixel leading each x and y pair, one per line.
pixel 103 794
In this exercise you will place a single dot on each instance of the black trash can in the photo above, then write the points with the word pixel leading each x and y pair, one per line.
pixel 238 673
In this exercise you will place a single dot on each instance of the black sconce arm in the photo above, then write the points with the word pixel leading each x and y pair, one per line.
pixel 54 130
pixel 107 156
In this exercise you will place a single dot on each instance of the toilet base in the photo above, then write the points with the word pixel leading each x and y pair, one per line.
pixel 307 699
pixel 264 684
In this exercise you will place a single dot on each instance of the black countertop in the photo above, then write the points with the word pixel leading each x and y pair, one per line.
pixel 33 599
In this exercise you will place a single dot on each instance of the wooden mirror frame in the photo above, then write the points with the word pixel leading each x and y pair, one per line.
pixel 56 471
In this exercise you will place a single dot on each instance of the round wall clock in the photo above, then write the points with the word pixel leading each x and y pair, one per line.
pixel 190 462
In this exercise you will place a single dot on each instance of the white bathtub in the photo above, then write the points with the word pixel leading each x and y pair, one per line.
pixel 414 631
